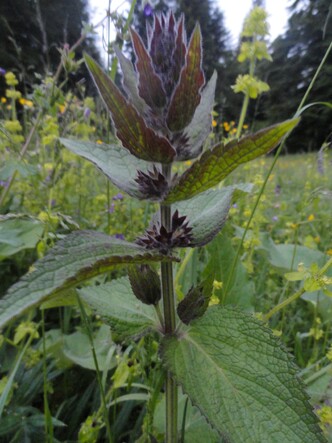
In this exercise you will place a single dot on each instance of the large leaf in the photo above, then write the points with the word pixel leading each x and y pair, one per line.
pixel 216 164
pixel 77 349
pixel 236 372
pixel 117 306
pixel 200 126
pixel 135 135
pixel 17 234
pixel 150 85
pixel 186 96
pixel 207 213
pixel 114 161
pixel 80 256
pixel 240 290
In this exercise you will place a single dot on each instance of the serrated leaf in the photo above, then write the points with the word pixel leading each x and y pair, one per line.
pixel 206 213
pixel 186 96
pixel 77 258
pixel 150 85
pixel 118 307
pixel 200 126
pixel 114 161
pixel 244 383
pixel 216 164
pixel 130 81
pixel 131 129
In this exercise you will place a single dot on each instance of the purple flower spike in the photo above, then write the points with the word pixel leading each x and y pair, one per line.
pixel 2 71
pixel 111 208
pixel 119 236
pixel 148 10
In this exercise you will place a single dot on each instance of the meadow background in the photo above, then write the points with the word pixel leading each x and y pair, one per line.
pixel 47 372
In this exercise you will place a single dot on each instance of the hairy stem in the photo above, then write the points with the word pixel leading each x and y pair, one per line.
pixel 168 295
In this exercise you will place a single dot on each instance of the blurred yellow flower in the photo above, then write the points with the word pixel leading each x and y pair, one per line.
pixel 25 102
pixel 329 252
pixel 99 142
pixel 3 100
pixel 226 126
pixel 311 217
pixel 11 79
pixel 214 123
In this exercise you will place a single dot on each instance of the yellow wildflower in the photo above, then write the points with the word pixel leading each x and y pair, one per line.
pixel 329 252
pixel 217 284
pixel 325 414
pixel 3 100
pixel 311 217
pixel 214 123
pixel 188 163
pixel 11 79
pixel 226 126
pixel 25 102
pixel 99 142
pixel 12 93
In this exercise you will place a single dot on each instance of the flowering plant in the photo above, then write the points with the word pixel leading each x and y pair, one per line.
pixel 227 362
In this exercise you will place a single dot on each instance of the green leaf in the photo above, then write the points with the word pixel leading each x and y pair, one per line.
pixel 117 305
pixel 186 96
pixel 150 85
pixel 114 161
pixel 244 383
pixel 135 135
pixel 241 289
pixel 18 234
pixel 77 258
pixel 200 126
pixel 289 256
pixel 207 213
pixel 216 164
pixel 77 349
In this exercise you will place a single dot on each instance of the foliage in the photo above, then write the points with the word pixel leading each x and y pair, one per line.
pixel 64 375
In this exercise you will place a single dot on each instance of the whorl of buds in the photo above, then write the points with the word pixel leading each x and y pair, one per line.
pixel 145 283
pixel 158 237
pixel 152 184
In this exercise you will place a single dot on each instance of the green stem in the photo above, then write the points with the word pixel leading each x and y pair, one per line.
pixel 168 295
pixel 245 103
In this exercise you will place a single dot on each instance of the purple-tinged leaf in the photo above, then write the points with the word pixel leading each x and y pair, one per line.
pixel 130 81
pixel 179 55
pixel 216 164
pixel 199 128
pixel 131 128
pixel 150 85
pixel 75 259
pixel 186 96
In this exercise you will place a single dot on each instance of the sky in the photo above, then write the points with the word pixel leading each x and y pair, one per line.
pixel 234 14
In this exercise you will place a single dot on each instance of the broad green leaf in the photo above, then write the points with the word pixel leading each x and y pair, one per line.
pixel 135 135
pixel 207 213
pixel 242 380
pixel 17 234
pixel 130 81
pixel 241 289
pixel 114 161
pixel 200 126
pixel 150 85
pixel 289 256
pixel 217 163
pixel 77 349
pixel 77 258
pixel 118 307
pixel 186 96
